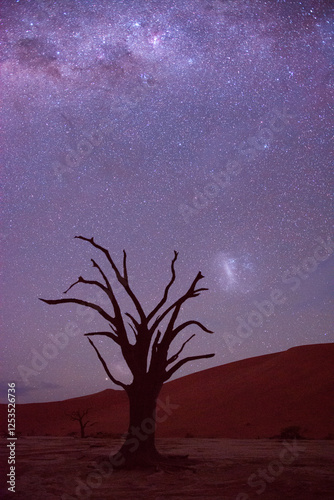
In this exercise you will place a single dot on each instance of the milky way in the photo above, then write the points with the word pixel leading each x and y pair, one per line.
pixel 199 126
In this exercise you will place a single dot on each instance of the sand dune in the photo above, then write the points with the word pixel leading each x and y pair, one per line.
pixel 252 398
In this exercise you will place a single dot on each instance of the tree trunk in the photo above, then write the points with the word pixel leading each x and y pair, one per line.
pixel 139 447
pixel 82 429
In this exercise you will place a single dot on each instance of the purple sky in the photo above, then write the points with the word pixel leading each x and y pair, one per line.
pixel 201 126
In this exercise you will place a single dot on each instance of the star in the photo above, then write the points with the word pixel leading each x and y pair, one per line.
pixel 160 126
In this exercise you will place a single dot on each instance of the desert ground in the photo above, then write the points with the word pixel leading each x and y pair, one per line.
pixel 238 469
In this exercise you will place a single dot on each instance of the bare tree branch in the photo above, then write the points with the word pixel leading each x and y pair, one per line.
pixel 97 308
pixel 88 282
pixel 133 329
pixel 164 298
pixel 123 343
pixel 102 274
pixel 104 364
pixel 122 280
pixel 77 414
pixel 107 254
pixel 188 323
pixel 170 335
pixel 125 271
pixel 178 365
pixel 135 322
pixel 114 329
pixel 190 293
pixel 79 281
pixel 109 292
pixel 117 310
pixel 177 305
pixel 175 356
pixel 106 334
pixel 156 342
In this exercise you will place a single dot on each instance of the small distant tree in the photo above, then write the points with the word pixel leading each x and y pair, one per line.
pixel 291 432
pixel 79 416
pixel 148 358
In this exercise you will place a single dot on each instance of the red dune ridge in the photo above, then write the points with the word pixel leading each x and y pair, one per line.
pixel 252 398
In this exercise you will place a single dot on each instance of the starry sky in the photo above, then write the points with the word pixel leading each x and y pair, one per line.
pixel 201 126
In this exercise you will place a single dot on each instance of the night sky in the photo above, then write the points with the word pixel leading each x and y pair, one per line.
pixel 201 126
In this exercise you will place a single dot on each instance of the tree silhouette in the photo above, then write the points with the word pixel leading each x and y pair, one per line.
pixel 147 358
pixel 78 416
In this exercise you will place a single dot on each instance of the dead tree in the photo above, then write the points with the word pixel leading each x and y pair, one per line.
pixel 148 358
pixel 78 416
